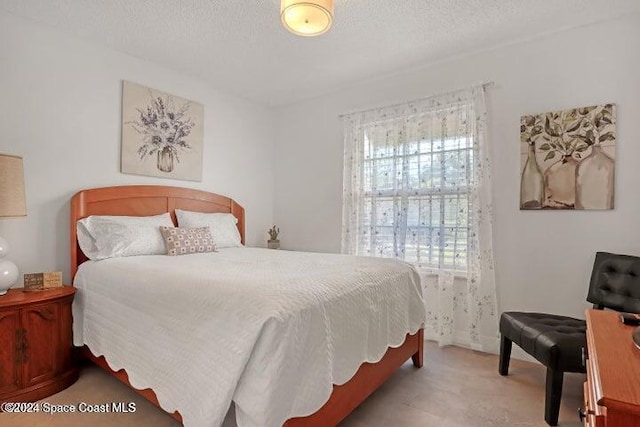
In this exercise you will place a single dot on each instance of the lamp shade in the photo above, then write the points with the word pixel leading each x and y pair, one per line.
pixel 12 200
pixel 307 18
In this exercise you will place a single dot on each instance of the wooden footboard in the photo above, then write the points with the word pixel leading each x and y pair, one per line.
pixel 344 398
pixel 122 375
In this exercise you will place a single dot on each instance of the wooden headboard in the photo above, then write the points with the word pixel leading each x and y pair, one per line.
pixel 144 200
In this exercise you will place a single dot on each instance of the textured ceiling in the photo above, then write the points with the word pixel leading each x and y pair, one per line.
pixel 239 46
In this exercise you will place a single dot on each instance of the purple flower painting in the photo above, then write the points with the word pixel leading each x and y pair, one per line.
pixel 161 134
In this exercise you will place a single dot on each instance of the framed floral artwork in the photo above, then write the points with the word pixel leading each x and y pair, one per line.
pixel 161 134
pixel 567 159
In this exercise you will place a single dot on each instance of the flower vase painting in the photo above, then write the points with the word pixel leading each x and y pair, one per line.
pixel 568 159
pixel 161 134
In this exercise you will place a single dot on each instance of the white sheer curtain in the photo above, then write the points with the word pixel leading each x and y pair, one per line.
pixel 417 187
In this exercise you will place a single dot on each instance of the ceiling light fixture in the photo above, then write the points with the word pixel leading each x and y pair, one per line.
pixel 307 18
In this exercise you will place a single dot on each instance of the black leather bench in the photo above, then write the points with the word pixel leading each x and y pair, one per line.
pixel 559 342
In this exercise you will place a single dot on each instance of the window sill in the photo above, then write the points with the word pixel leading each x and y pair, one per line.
pixel 457 274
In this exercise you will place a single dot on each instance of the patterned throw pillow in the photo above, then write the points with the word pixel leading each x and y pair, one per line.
pixel 182 241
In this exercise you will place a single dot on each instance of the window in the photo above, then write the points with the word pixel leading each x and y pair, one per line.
pixel 417 187
pixel 407 186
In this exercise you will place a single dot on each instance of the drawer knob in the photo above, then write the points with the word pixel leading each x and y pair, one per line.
pixel 581 414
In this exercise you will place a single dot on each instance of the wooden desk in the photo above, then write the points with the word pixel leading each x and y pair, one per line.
pixel 612 389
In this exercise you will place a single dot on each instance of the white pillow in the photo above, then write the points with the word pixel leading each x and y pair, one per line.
pixel 221 225
pixel 103 237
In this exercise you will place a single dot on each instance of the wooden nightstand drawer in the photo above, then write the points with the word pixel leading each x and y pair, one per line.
pixel 35 344
pixel 10 339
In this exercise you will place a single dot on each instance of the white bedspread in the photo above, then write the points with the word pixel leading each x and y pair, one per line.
pixel 271 330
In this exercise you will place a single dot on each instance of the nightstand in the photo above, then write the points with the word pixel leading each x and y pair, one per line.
pixel 35 344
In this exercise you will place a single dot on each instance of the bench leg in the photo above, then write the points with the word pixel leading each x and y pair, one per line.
pixel 553 394
pixel 505 355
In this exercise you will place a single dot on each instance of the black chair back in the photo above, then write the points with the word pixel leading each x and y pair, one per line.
pixel 615 282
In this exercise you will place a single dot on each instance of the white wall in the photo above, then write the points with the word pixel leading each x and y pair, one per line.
pixel 60 109
pixel 60 106
pixel 543 259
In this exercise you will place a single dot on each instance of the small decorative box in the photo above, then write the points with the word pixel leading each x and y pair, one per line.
pixel 41 281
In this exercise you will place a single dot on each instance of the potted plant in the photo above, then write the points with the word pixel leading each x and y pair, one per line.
pixel 273 242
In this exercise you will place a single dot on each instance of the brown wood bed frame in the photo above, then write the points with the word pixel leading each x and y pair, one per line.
pixel 144 200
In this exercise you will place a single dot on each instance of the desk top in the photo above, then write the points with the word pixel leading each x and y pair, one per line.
pixel 615 360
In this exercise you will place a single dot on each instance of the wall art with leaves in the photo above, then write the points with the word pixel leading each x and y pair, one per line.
pixel 568 159
pixel 161 134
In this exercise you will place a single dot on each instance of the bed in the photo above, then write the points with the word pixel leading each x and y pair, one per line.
pixel 324 405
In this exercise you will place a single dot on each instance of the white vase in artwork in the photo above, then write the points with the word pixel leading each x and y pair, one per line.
pixel 594 181
pixel 560 179
pixel 165 160
pixel 531 183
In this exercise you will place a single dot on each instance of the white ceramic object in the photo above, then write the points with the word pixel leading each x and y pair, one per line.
pixel 4 247
pixel 8 270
